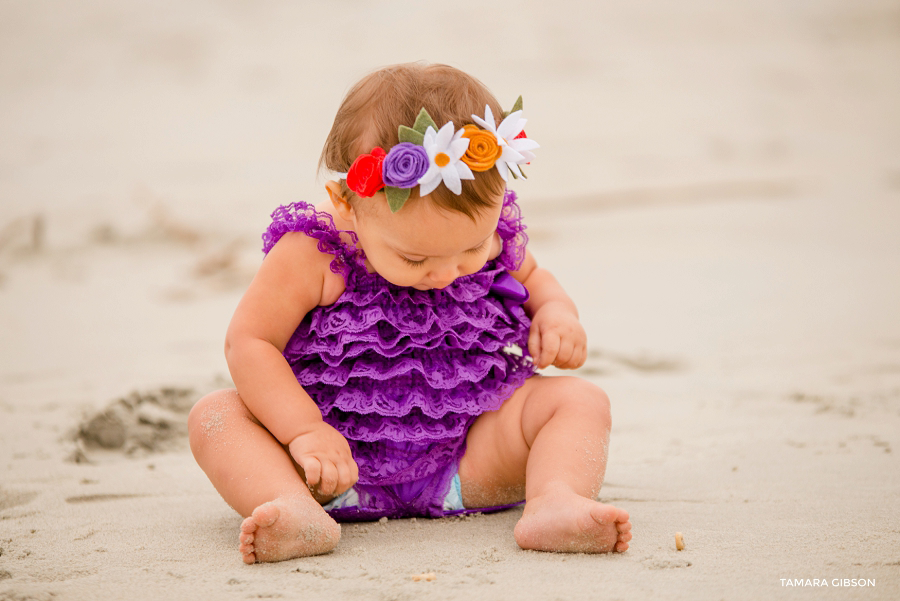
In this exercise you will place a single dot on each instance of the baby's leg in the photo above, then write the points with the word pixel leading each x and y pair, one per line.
pixel 550 439
pixel 256 475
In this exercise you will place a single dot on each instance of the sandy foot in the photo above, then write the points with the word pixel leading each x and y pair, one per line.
pixel 565 521
pixel 287 528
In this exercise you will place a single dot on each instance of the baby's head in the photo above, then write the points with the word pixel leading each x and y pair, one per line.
pixel 373 110
pixel 423 228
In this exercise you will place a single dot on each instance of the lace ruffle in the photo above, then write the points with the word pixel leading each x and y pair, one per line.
pixel 412 391
pixel 414 460
pixel 394 329
pixel 371 288
pixel 406 317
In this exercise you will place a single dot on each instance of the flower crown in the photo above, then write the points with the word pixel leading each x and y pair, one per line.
pixel 427 156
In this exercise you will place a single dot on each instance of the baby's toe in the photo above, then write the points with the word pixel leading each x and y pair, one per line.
pixel 265 515
pixel 601 514
pixel 621 546
pixel 249 525
pixel 247 538
pixel 248 553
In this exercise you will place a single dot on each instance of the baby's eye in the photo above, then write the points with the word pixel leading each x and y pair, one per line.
pixel 477 249
pixel 411 262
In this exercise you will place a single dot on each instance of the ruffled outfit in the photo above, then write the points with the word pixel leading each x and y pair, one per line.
pixel 402 373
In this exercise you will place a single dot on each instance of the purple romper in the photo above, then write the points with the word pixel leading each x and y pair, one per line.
pixel 402 373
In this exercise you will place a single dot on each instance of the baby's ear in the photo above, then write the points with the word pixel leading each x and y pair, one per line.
pixel 341 204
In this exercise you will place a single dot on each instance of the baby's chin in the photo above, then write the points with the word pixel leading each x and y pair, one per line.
pixel 416 286
pixel 425 287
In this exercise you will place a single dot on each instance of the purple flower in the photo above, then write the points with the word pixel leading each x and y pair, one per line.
pixel 404 164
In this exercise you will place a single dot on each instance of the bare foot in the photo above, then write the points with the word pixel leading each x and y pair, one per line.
pixel 566 521
pixel 286 528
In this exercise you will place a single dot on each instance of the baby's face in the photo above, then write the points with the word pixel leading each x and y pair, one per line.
pixel 422 246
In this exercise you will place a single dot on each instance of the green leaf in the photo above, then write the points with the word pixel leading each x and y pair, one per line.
pixel 423 121
pixel 396 197
pixel 516 107
pixel 408 134
pixel 521 171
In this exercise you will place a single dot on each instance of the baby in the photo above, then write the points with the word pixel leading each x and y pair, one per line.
pixel 384 355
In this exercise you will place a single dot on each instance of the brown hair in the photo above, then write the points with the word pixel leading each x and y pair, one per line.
pixel 375 107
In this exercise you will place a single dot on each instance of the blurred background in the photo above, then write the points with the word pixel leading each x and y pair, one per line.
pixel 718 188
pixel 717 182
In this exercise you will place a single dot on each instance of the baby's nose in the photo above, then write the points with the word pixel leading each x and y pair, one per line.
pixel 443 275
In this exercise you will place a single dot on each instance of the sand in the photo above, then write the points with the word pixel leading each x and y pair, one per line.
pixel 718 188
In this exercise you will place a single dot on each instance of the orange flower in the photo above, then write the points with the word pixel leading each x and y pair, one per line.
pixel 483 149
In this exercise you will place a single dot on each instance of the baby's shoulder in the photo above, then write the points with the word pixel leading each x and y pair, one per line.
pixel 300 264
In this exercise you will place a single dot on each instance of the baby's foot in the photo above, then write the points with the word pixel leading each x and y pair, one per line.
pixel 566 521
pixel 286 528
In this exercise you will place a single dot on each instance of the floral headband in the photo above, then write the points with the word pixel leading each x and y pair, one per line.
pixel 427 156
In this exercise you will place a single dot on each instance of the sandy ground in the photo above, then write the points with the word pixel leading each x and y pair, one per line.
pixel 718 187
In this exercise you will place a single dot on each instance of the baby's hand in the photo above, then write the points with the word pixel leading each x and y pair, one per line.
pixel 325 457
pixel 557 337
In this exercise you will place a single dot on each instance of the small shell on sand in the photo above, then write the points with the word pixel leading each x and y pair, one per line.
pixel 679 541
pixel 426 576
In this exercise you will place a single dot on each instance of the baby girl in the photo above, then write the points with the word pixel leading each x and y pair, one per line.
pixel 384 355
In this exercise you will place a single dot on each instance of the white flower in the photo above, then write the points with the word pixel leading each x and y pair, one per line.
pixel 515 152
pixel 444 149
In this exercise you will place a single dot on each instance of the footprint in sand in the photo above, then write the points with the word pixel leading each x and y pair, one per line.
pixel 148 421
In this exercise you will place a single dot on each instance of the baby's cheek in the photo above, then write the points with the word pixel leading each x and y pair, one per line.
pixel 496 247
pixel 475 264
pixel 398 276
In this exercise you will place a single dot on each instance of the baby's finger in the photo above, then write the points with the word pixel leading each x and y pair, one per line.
pixel 534 343
pixel 312 468
pixel 581 356
pixel 354 472
pixel 564 355
pixel 329 480
pixel 345 479
pixel 549 348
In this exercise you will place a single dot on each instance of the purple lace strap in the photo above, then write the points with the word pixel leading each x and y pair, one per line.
pixel 303 217
pixel 512 232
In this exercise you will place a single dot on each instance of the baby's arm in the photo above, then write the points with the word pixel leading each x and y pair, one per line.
pixel 289 284
pixel 556 337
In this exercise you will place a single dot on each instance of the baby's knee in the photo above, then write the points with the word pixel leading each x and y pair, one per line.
pixel 585 396
pixel 211 413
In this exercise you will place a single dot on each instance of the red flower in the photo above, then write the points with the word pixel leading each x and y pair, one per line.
pixel 364 176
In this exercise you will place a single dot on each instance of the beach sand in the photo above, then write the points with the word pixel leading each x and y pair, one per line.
pixel 718 188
